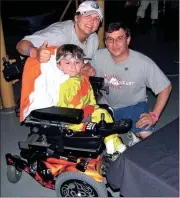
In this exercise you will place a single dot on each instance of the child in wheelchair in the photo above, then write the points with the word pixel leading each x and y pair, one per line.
pixel 59 82
pixel 76 92
pixel 56 97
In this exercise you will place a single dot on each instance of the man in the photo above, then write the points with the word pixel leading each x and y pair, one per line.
pixel 80 32
pixel 128 73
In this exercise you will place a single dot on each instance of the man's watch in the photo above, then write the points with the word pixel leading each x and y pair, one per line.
pixel 29 49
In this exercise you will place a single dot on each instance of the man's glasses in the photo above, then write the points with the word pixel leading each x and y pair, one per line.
pixel 119 39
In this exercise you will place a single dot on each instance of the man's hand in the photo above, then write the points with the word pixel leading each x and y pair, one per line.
pixel 43 53
pixel 145 120
pixel 88 70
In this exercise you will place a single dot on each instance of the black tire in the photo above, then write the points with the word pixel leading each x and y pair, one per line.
pixel 13 174
pixel 77 184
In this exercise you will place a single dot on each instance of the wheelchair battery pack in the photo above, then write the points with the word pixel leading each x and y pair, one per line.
pixel 60 114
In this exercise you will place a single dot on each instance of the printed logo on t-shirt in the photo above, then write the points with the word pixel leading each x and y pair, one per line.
pixel 115 82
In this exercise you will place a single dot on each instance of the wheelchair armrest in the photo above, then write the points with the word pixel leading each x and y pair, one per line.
pixel 60 114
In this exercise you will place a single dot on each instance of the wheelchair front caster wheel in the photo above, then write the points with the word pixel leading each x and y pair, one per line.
pixel 77 184
pixel 13 174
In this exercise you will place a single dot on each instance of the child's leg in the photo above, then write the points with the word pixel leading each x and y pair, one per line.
pixel 113 142
pixel 77 127
pixel 96 117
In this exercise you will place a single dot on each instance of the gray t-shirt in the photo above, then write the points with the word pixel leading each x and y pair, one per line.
pixel 61 33
pixel 128 81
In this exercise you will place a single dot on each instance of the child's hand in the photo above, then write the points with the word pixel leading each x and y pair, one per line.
pixel 88 70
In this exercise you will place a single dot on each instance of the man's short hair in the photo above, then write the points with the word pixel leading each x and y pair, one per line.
pixel 112 27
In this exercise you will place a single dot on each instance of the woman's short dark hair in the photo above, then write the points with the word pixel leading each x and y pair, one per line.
pixel 116 26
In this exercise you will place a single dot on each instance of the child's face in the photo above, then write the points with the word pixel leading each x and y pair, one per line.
pixel 71 66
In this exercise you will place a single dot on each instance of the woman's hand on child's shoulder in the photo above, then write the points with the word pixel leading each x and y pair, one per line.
pixel 88 70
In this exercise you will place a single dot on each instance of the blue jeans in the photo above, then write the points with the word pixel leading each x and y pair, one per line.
pixel 133 112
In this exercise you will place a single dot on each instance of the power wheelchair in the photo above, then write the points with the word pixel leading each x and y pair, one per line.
pixel 72 163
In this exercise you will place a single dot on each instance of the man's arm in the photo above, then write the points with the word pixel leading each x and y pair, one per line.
pixel 26 48
pixel 147 119
pixel 23 46
pixel 162 100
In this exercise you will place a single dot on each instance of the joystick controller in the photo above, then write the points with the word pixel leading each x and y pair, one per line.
pixel 102 124
pixel 105 129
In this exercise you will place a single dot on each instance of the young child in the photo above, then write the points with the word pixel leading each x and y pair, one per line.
pixel 60 82
pixel 76 92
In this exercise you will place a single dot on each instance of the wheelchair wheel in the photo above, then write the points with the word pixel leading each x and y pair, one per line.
pixel 13 174
pixel 76 184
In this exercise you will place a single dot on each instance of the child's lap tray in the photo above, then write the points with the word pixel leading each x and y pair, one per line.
pixel 61 114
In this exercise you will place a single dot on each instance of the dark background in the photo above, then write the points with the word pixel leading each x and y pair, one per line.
pixel 160 42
